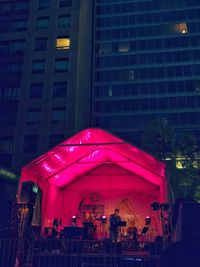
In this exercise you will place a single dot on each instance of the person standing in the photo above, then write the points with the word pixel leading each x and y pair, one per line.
pixel 55 231
pixel 115 220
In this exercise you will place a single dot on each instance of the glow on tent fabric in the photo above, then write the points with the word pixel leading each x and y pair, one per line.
pixel 97 169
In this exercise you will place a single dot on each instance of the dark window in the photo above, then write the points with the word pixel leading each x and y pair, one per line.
pixel 11 68
pixel 61 65
pixel 55 139
pixel 8 109
pixel 12 7
pixel 16 46
pixel 40 44
pixel 42 22
pixel 33 116
pixel 6 144
pixel 36 90
pixel 5 7
pixel 23 6
pixel 172 102
pixel 9 114
pixel 9 93
pixel 44 4
pixel 58 115
pixel 12 47
pixel 64 21
pixel 104 48
pixel 4 48
pixel 20 25
pixel 65 3
pixel 38 66
pixel 60 89
pixel 16 67
pixel 6 27
pixel 31 143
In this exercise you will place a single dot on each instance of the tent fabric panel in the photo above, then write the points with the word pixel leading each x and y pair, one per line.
pixel 52 205
pixel 87 144
pixel 107 175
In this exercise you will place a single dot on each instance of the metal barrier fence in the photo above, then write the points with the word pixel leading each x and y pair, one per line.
pixel 14 251
pixel 78 253
pixel 83 253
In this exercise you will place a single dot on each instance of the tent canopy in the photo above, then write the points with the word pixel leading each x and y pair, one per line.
pixel 93 160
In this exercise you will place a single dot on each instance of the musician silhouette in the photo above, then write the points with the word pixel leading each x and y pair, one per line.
pixel 132 233
pixel 115 220
pixel 89 226
pixel 55 228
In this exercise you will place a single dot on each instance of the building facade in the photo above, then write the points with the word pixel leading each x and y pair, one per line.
pixel 146 65
pixel 66 65
pixel 44 91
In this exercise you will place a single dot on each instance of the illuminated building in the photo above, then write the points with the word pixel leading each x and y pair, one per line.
pixel 146 64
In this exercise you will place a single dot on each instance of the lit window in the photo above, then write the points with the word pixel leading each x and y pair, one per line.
pixel 181 28
pixel 62 43
pixel 179 164
pixel 124 47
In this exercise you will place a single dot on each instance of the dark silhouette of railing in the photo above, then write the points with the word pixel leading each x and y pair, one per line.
pixel 47 252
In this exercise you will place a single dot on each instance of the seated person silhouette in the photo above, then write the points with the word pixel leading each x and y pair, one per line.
pixel 132 233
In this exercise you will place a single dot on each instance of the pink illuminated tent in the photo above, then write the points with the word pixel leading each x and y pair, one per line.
pixel 95 169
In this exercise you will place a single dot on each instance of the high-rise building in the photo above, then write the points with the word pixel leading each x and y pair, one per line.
pixel 146 65
pixel 115 64
pixel 45 58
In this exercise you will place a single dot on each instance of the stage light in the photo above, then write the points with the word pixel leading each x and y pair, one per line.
pixel 74 219
pixel 103 219
pixel 34 189
pixel 155 206
pixel 148 220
